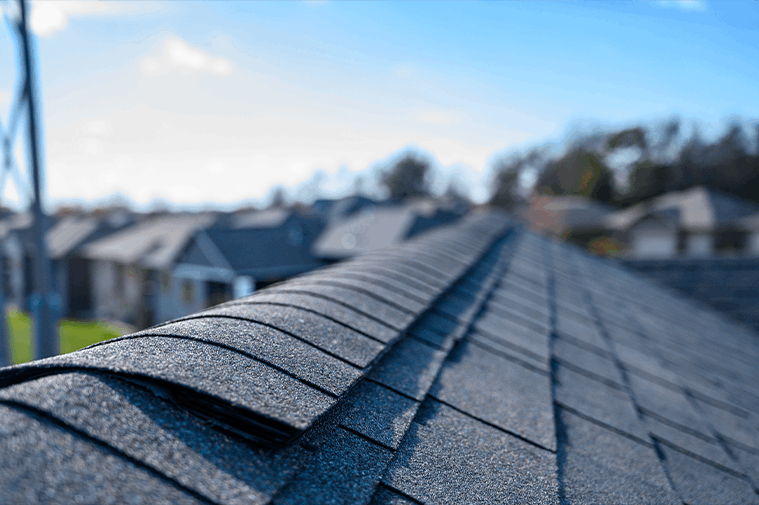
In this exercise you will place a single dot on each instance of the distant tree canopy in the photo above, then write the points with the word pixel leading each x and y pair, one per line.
pixel 407 177
pixel 278 199
pixel 579 172
pixel 626 166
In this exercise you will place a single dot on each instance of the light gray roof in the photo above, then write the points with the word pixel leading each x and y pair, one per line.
pixel 698 208
pixel 68 233
pixel 269 218
pixel 371 229
pixel 14 221
pixel 153 243
pixel 479 363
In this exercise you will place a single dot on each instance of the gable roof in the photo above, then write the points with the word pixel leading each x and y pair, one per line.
pixel 336 210
pixel 264 253
pixel 268 218
pixel 153 243
pixel 68 233
pixel 375 228
pixel 479 363
pixel 697 208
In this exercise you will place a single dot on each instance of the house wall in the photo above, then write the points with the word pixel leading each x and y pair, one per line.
pixel 104 297
pixel 185 296
pixel 700 245
pixel 132 302
pixel 60 284
pixel 111 301
pixel 11 250
pixel 198 276
pixel 653 243
pixel 752 244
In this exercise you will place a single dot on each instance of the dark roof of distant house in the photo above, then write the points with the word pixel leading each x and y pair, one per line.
pixel 697 209
pixel 22 225
pixel 12 221
pixel 264 253
pixel 478 363
pixel 374 228
pixel 333 211
pixel 71 232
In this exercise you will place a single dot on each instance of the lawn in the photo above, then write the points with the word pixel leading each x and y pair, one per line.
pixel 74 334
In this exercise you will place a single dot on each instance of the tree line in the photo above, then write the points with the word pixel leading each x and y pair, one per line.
pixel 625 166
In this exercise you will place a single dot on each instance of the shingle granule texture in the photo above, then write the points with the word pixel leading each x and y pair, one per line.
pixel 477 363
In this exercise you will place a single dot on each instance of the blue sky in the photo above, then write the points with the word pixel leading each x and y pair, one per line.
pixel 198 102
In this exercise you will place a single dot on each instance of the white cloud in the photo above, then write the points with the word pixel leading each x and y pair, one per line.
pixel 177 54
pixel 436 117
pixel 90 146
pixel 686 5
pixel 6 96
pixel 49 17
pixel 97 128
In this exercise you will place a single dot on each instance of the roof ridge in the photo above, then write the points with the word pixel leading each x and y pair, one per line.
pixel 254 404
pixel 358 398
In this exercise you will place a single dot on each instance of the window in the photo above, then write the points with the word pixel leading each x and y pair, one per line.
pixel 188 292
pixel 730 242
pixel 118 275
pixel 165 281
pixel 6 273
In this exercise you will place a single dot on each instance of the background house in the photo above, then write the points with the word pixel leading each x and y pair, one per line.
pixel 750 225
pixel 378 227
pixel 19 248
pixel 131 269
pixel 241 253
pixel 698 222
pixel 575 218
pixel 12 257
pixel 72 272
pixel 332 211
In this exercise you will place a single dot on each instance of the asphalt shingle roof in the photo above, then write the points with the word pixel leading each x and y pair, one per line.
pixel 479 363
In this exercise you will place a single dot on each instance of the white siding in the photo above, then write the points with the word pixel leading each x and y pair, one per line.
pixel 700 245
pixel 653 243
pixel 103 290
pixel 752 243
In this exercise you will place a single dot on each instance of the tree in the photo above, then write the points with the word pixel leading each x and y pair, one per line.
pixel 647 180
pixel 511 171
pixel 506 184
pixel 407 177
pixel 579 172
pixel 278 199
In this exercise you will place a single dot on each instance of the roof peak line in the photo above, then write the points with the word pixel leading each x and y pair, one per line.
pixel 222 383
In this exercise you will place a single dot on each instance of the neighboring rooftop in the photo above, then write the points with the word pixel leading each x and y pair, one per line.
pixel 152 243
pixel 374 228
pixel 694 209
pixel 562 215
pixel 478 363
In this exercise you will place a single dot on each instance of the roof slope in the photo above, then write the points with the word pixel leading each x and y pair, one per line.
pixel 479 363
pixel 697 208
pixel 262 252
pixel 153 243
pixel 379 227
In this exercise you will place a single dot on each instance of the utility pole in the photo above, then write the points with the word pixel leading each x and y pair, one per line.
pixel 5 348
pixel 45 341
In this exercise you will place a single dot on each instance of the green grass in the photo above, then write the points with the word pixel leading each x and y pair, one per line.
pixel 74 335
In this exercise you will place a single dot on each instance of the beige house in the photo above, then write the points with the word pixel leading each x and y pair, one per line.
pixel 131 269
pixel 697 223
